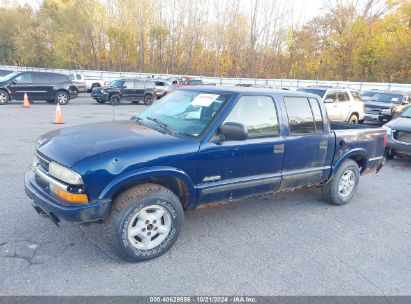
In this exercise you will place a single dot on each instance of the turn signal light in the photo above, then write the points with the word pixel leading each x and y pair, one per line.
pixel 70 197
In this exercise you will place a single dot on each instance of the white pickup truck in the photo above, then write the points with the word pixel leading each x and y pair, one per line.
pixel 86 85
pixel 342 105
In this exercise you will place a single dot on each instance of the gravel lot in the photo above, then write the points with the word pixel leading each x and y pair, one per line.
pixel 283 244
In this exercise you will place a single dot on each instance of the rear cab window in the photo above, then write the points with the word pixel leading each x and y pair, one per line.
pixel 304 115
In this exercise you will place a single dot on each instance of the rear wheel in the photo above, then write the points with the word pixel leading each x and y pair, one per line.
pixel 62 97
pixel 341 188
pixel 353 119
pixel 148 99
pixel 145 222
pixel 4 97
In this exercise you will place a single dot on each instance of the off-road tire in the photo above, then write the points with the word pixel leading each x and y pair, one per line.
pixel 127 205
pixel 330 190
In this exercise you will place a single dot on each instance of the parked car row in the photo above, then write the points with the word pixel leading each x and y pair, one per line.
pixel 52 87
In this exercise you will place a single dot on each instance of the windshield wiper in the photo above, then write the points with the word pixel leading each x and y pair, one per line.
pixel 163 125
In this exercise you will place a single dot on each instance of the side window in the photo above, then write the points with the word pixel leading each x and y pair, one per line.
pixel 78 77
pixel 71 76
pixel 148 84
pixel 318 119
pixel 58 78
pixel 356 95
pixel 24 78
pixel 258 114
pixel 139 85
pixel 300 116
pixel 40 77
pixel 331 95
pixel 343 97
pixel 128 84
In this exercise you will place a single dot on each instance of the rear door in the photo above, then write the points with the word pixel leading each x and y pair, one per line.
pixel 140 89
pixel 343 105
pixel 43 86
pixel 332 107
pixel 232 169
pixel 309 144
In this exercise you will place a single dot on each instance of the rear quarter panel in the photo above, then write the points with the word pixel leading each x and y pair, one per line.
pixel 366 142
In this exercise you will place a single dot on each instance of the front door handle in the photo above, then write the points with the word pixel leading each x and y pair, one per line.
pixel 278 149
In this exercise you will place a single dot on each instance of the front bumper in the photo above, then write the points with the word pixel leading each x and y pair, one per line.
pixel 44 201
pixel 102 97
pixel 399 147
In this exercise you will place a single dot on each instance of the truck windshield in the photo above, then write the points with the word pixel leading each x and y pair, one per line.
pixel 387 97
pixel 406 113
pixel 319 92
pixel 116 83
pixel 184 112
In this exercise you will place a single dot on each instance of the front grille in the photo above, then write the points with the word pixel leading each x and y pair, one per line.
pixel 403 136
pixel 375 111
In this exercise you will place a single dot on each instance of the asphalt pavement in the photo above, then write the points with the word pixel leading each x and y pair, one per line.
pixel 289 243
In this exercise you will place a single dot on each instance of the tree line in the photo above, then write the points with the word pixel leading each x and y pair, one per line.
pixel 357 40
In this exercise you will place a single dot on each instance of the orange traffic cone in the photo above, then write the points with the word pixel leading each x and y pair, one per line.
pixel 58 119
pixel 26 103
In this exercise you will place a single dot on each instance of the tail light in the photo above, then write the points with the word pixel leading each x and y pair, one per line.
pixel 385 140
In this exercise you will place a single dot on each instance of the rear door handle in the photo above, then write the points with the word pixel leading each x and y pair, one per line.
pixel 278 149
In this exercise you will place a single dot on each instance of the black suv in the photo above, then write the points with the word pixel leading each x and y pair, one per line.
pixel 51 87
pixel 132 89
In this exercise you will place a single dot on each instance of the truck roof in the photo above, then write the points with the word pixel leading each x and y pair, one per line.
pixel 242 90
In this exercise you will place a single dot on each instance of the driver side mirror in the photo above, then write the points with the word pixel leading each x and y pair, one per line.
pixel 124 87
pixel 328 100
pixel 234 131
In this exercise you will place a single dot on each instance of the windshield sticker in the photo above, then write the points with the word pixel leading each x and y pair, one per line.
pixel 394 99
pixel 204 100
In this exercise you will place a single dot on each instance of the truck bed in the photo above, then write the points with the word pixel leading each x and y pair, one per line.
pixel 369 140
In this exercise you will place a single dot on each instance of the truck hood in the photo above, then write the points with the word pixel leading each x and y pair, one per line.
pixel 70 145
pixel 379 105
pixel 400 123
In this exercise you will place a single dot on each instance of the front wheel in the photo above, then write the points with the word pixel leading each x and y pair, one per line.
pixel 145 222
pixel 353 119
pixel 341 188
pixel 4 98
pixel 115 99
pixel 62 98
pixel 148 99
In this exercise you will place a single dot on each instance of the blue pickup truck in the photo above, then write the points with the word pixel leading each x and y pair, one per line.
pixel 196 146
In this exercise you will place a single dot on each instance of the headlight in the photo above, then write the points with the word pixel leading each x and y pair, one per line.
pixel 389 130
pixel 386 111
pixel 66 175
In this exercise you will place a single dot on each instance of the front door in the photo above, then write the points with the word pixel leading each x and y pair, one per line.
pixel 232 169
pixel 21 84
pixel 128 90
pixel 309 146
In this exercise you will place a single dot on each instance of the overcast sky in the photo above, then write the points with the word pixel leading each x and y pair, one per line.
pixel 304 9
